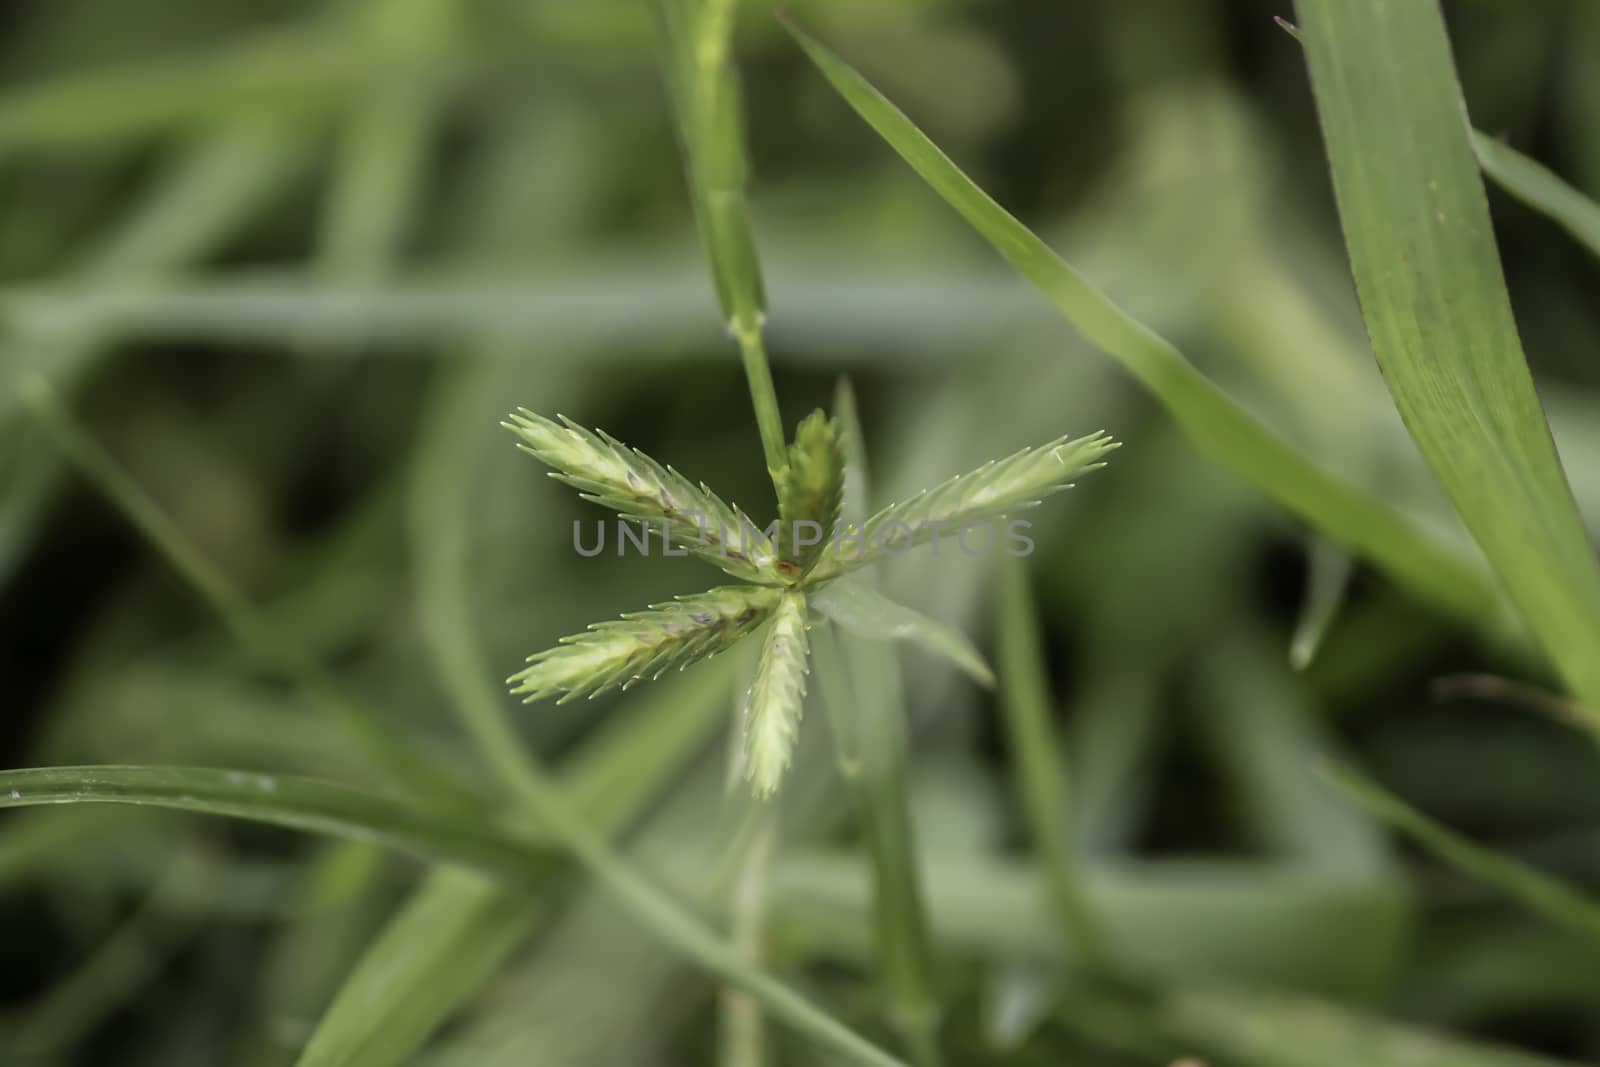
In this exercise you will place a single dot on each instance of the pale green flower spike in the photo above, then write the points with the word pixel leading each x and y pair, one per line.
pixel 805 556
pixel 644 644
pixel 609 473
pixel 773 704
pixel 810 491
pixel 999 487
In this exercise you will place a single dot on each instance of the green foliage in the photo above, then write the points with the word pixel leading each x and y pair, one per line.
pixel 1434 298
pixel 1540 188
pixel 246 245
pixel 1412 555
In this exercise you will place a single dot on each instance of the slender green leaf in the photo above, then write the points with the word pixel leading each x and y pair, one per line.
pixel 1540 188
pixel 698 38
pixel 432 834
pixel 1178 923
pixel 1042 770
pixel 447 938
pixel 297 803
pixel 1409 554
pixel 1275 1031
pixel 866 704
pixel 1328 573
pixel 867 613
pixel 1416 222
pixel 1538 892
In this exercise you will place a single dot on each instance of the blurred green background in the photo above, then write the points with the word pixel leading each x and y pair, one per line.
pixel 292 262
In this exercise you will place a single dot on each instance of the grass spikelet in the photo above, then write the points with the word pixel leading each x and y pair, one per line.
pixel 775 699
pixel 997 488
pixel 624 479
pixel 811 489
pixel 642 645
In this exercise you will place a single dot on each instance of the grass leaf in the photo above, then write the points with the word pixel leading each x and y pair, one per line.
pixel 1540 188
pixel 1416 222
pixel 1404 550
pixel 1041 772
pixel 448 836
pixel 449 936
pixel 865 612
pixel 1538 892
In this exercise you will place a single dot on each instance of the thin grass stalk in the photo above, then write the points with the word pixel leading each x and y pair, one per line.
pixel 698 36
pixel 862 689
pixel 1042 775
pixel 743 1034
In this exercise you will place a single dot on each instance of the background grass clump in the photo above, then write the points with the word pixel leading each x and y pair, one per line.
pixel 1286 752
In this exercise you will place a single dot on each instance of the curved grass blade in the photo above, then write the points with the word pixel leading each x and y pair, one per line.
pixel 865 612
pixel 862 691
pixel 429 833
pixel 449 937
pixel 698 38
pixel 1272 1030
pixel 1540 188
pixel 294 802
pixel 1042 770
pixel 1219 426
pixel 1538 892
pixel 1328 574
pixel 1416 222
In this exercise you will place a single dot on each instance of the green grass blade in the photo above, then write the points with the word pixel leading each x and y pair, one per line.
pixel 1539 892
pixel 867 613
pixel 866 703
pixel 1416 223
pixel 1540 188
pixel 445 942
pixel 432 834
pixel 1041 768
pixel 1273 1031
pixel 1328 574
pixel 297 803
pixel 1402 549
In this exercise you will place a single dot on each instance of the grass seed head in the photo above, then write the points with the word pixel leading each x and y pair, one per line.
pixel 642 645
